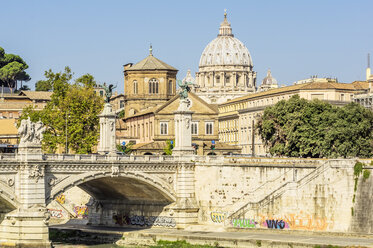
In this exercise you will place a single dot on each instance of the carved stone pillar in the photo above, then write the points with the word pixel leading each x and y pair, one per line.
pixel 185 210
pixel 27 226
pixel 106 144
pixel 183 130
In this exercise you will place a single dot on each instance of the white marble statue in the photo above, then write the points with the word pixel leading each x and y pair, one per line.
pixel 30 133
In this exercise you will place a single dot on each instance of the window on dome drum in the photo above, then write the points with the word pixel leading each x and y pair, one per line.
pixel 194 128
pixel 153 86
pixel 227 78
pixel 164 128
pixel 135 87
pixel 170 90
pixel 209 128
pixel 218 80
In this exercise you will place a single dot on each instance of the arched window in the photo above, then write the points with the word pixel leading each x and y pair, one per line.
pixel 135 87
pixel 153 86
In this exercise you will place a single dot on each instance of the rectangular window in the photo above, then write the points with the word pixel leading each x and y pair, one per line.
pixel 121 104
pixel 194 128
pixel 342 97
pixel 209 128
pixel 164 128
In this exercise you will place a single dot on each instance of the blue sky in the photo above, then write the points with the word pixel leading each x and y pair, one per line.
pixel 296 39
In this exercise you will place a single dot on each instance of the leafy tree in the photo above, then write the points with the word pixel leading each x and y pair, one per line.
pixel 169 147
pixel 12 69
pixel 301 128
pixel 43 85
pixel 72 113
pixel 127 149
pixel 23 88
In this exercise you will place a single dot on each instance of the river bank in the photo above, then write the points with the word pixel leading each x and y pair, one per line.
pixel 87 236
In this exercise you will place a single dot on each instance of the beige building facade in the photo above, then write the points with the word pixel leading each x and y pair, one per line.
pixel 11 105
pixel 147 84
pixel 151 129
pixel 237 118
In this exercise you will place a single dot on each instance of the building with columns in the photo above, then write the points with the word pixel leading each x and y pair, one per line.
pixel 238 117
pixel 225 68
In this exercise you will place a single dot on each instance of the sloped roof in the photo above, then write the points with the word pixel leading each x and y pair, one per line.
pixel 37 95
pixel 357 85
pixel 361 85
pixel 156 109
pixel 151 63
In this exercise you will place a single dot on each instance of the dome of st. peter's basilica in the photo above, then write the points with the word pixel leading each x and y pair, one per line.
pixel 225 68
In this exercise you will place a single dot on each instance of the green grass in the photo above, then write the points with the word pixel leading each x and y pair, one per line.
pixel 179 244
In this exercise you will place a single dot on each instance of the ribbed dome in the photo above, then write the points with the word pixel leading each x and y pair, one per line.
pixel 225 49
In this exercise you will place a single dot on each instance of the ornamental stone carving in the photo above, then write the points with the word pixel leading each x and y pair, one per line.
pixel 36 172
pixel 30 133
pixel 115 171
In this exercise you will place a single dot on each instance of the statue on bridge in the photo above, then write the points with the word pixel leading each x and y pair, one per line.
pixel 30 133
pixel 108 92
pixel 185 86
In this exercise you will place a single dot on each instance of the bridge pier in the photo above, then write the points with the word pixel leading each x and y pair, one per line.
pixel 185 209
pixel 27 226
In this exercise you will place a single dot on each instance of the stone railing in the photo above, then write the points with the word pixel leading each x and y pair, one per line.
pixel 120 158
pixel 200 160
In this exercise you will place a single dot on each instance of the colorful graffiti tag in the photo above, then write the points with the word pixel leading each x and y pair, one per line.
pixel 275 224
pixel 60 198
pixel 299 221
pixel 55 213
pixel 81 211
pixel 217 217
pixel 244 223
pixel 162 221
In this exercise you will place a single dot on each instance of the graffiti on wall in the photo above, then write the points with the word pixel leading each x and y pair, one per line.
pixel 60 198
pixel 275 224
pixel 299 221
pixel 244 223
pixel 162 221
pixel 81 211
pixel 217 217
pixel 55 213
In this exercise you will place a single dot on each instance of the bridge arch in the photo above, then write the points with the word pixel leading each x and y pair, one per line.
pixel 8 200
pixel 159 188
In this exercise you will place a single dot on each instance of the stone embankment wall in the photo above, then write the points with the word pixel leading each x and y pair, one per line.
pixel 304 194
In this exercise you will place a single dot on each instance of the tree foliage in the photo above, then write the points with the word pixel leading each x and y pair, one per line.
pixel 301 128
pixel 72 112
pixel 169 147
pixel 12 70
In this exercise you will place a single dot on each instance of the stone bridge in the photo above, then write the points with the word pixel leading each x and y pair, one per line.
pixel 176 191
pixel 158 185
